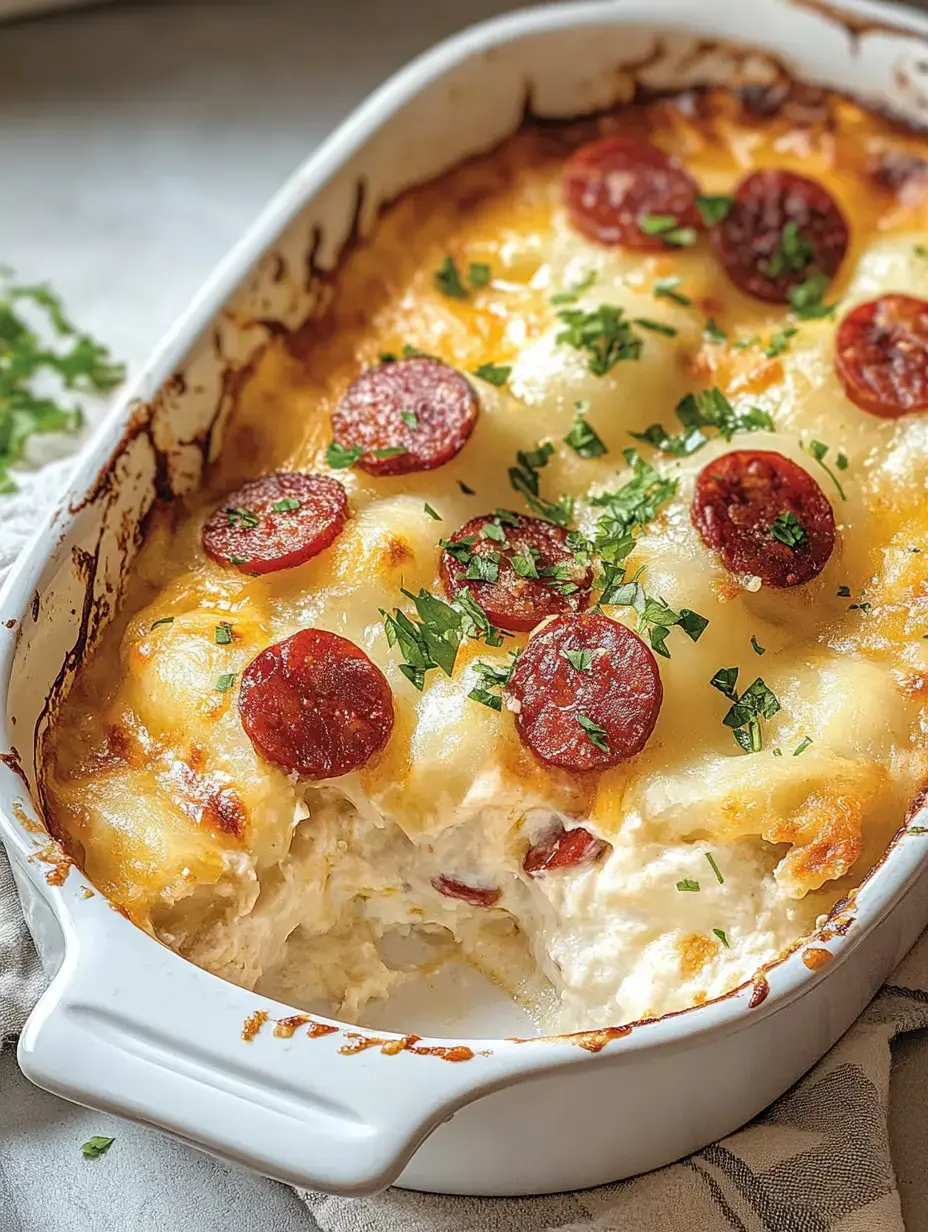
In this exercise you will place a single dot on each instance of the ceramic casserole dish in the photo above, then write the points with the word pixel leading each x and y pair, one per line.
pixel 129 1026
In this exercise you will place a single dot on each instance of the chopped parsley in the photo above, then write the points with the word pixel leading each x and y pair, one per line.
pixel 460 549
pixel 575 290
pixel 819 452
pixel 714 208
pixel 524 479
pixel 583 439
pixel 668 228
pixel 432 640
pixel 741 344
pixel 744 715
pixel 713 331
pixel 715 868
pixel 96 1146
pixel 779 342
pixel 594 733
pixel 494 374
pixel 386 357
pixel 582 660
pixel 757 648
pixel 225 682
pixel 410 419
pixel 805 300
pixel 72 361
pixel 169 620
pixel 448 280
pixel 666 288
pixel 860 607
pixel 287 505
pixel 431 512
pixel 493 530
pixel 656 327
pixel 414 352
pixel 465 489
pixel 493 679
pixel 787 529
pixel 479 273
pixel 391 451
pixel 801 746
pixel 720 933
pixel 483 568
pixel 707 408
pixel 920 250
pixel 339 458
pixel 242 519
pixel 844 592
pixel 688 885
pixel 223 633
pixel 793 253
pixel 603 334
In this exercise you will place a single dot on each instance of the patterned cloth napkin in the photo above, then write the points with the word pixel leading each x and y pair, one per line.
pixel 818 1160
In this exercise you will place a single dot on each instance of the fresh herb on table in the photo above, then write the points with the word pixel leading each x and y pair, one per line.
pixel 96 1146
pixel 73 360
pixel 744 715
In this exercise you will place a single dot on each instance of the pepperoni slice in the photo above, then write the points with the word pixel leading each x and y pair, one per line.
pixel 564 849
pixel 419 407
pixel 881 355
pixel 765 516
pixel 276 522
pixel 781 230
pixel 586 719
pixel 610 184
pixel 507 547
pixel 477 896
pixel 315 705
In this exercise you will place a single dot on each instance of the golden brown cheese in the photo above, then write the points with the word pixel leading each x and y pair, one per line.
pixel 150 776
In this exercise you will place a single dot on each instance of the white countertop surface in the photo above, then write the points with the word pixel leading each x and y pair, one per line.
pixel 136 142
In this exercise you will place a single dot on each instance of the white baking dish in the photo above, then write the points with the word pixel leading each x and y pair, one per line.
pixel 129 1026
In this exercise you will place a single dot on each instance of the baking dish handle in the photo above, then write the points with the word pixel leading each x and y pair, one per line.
pixel 130 1027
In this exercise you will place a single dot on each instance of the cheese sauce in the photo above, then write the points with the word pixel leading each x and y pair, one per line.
pixel 719 859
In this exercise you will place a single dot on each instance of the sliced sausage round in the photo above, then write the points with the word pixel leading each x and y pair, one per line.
pixel 765 516
pixel 409 415
pixel 477 896
pixel 585 711
pixel 518 568
pixel 881 355
pixel 612 183
pixel 560 849
pixel 315 705
pixel 781 230
pixel 276 522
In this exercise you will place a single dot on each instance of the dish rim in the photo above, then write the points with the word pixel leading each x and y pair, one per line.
pixel 882 887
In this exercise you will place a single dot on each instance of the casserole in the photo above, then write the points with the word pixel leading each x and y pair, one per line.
pixel 156 1034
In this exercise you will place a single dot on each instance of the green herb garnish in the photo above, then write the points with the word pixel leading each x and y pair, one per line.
pixel 493 679
pixel 169 620
pixel 465 489
pixel 478 273
pixel 707 408
pixel 801 746
pixel 223 633
pixel 432 640
pixel 524 479
pixel 575 290
pixel 794 253
pixel 688 885
pixel 721 936
pixel 225 682
pixel 668 229
pixel 410 419
pixel 494 374
pixel 583 439
pixel 431 512
pixel 714 208
pixel 744 715
pixel 339 458
pixel 603 334
pixel 96 1146
pixel 287 505
pixel 844 592
pixel 656 327
pixel 594 733
pixel 757 648
pixel 242 519
pixel 779 342
pixel 666 288
pixel 787 529
pixel 715 868
pixel 714 332
pixel 448 280
pixel 819 452
pixel 582 660
pixel 805 300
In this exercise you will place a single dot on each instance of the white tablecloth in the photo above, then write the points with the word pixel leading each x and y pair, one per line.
pixel 135 144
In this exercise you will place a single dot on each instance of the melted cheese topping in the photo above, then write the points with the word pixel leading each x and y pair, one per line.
pixel 171 812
